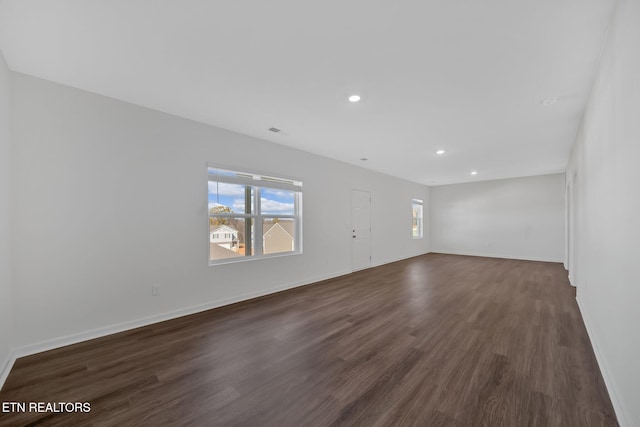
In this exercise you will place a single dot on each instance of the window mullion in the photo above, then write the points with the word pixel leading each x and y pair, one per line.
pixel 248 249
pixel 258 222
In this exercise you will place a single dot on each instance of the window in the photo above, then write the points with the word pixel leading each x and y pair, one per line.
pixel 252 216
pixel 416 225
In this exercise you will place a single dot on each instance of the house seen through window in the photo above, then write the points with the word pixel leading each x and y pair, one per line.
pixel 252 216
pixel 416 226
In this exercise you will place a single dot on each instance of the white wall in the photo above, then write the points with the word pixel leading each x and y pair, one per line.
pixel 111 198
pixel 509 218
pixel 5 221
pixel 603 171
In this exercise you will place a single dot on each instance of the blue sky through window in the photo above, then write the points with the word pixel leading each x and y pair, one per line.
pixel 272 201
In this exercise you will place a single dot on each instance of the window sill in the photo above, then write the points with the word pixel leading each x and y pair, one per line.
pixel 252 258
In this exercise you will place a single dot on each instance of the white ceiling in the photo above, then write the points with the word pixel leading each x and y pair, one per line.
pixel 465 76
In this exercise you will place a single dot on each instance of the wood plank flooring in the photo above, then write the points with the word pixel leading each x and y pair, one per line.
pixel 436 340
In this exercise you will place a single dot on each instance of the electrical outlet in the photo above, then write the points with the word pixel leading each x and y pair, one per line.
pixel 155 290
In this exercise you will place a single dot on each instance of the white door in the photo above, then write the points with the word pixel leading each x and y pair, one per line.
pixel 361 229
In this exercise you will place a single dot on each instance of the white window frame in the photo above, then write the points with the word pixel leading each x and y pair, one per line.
pixel 258 181
pixel 420 220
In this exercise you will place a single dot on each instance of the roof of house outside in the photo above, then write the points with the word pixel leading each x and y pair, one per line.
pixel 287 226
pixel 224 228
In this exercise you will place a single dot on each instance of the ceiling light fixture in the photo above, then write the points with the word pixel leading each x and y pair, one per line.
pixel 474 172
pixel 549 101
pixel 439 152
pixel 274 130
pixel 354 98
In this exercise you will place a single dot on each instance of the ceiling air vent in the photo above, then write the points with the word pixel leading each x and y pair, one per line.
pixel 274 130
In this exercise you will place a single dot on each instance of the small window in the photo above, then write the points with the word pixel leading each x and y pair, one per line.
pixel 416 226
pixel 258 215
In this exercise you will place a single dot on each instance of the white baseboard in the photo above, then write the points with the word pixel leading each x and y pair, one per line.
pixel 615 401
pixel 6 367
pixel 133 324
pixel 492 255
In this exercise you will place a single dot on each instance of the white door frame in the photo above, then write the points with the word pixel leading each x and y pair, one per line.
pixel 572 223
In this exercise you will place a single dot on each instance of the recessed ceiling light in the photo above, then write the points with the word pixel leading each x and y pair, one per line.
pixel 364 159
pixel 549 101
pixel 474 172
pixel 440 152
pixel 354 98
pixel 274 130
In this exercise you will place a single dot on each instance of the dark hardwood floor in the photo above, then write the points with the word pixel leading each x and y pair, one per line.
pixel 436 340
